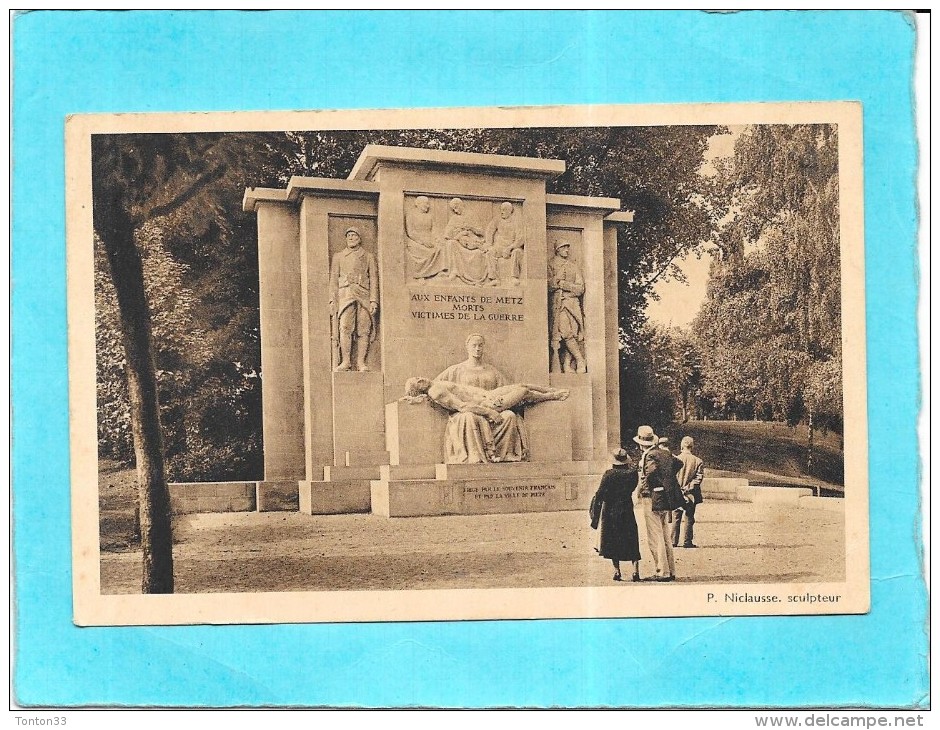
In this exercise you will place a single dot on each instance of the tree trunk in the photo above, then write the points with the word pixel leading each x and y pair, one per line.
pixel 116 231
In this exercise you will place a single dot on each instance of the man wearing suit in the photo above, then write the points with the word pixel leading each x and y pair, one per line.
pixel 690 481
pixel 659 496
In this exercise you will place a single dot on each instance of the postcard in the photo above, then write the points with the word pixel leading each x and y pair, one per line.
pixel 475 363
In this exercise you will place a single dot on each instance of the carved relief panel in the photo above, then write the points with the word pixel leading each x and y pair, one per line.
pixel 565 302
pixel 463 242
pixel 354 293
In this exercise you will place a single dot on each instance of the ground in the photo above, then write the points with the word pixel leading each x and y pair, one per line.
pixel 739 542
pixel 277 551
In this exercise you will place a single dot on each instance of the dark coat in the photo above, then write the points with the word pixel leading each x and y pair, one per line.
pixel 612 509
pixel 662 486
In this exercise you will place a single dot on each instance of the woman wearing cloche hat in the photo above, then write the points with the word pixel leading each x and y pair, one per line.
pixel 612 509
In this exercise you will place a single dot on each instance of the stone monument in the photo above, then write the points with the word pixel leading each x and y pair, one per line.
pixel 438 336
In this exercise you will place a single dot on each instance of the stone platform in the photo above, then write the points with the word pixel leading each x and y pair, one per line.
pixel 469 489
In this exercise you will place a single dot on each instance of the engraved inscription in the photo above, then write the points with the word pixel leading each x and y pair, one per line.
pixel 467 307
pixel 515 491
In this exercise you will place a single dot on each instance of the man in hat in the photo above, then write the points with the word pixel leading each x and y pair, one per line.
pixel 565 289
pixel 690 477
pixel 354 299
pixel 658 498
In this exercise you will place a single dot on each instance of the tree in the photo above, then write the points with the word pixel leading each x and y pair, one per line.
pixel 666 380
pixel 686 372
pixel 180 343
pixel 770 328
pixel 115 226
pixel 139 179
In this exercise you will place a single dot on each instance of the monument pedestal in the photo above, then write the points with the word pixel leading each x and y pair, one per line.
pixel 471 489
pixel 334 498
pixel 343 489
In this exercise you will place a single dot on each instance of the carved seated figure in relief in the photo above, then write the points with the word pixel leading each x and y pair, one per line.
pixel 425 251
pixel 468 253
pixel 507 245
pixel 482 427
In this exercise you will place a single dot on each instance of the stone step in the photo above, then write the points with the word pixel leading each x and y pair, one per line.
pixel 833 504
pixel 518 469
pixel 774 495
pixel 722 487
pixel 406 471
pixel 350 473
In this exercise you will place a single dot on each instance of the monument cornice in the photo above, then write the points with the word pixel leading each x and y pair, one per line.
pixel 374 156
pixel 330 187
pixel 583 203
pixel 620 217
pixel 253 196
pixel 299 186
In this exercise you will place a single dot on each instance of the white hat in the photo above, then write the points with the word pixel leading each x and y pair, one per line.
pixel 645 436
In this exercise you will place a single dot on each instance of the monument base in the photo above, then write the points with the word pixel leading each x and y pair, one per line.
pixel 276 496
pixel 334 498
pixel 472 489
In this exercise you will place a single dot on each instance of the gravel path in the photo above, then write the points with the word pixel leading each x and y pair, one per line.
pixel 277 551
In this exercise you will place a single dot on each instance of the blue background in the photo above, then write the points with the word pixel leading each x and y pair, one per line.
pixel 67 62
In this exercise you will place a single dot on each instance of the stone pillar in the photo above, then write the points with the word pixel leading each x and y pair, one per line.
pixel 322 222
pixel 612 325
pixel 315 270
pixel 282 368
pixel 597 298
pixel 580 221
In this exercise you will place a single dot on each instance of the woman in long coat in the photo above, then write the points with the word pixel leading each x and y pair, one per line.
pixel 612 509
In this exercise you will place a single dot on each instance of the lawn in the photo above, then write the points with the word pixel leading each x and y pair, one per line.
pixel 764 450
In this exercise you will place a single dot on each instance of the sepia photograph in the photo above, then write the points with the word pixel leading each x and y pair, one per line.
pixel 467 364
pixel 470 359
